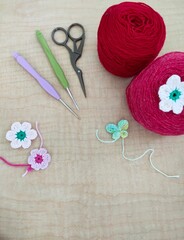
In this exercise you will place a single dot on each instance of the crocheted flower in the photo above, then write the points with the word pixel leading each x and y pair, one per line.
pixel 21 135
pixel 39 159
pixel 119 130
pixel 172 95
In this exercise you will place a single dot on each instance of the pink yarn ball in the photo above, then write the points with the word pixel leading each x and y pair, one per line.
pixel 143 99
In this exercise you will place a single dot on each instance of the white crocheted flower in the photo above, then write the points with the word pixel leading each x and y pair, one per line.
pixel 21 135
pixel 39 159
pixel 172 95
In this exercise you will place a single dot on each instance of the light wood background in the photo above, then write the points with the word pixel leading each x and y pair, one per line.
pixel 88 191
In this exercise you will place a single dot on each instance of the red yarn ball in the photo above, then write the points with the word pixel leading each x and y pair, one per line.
pixel 130 36
pixel 143 99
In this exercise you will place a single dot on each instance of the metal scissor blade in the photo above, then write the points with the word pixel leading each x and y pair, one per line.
pixel 79 74
pixel 74 57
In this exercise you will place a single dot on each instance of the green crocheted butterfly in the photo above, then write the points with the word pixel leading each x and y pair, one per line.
pixel 119 130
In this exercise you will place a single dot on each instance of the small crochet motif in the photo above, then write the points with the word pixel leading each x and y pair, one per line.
pixel 119 131
pixel 21 135
pixel 38 158
pixel 172 95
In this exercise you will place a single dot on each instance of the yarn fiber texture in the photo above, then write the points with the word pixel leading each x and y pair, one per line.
pixel 130 36
pixel 143 99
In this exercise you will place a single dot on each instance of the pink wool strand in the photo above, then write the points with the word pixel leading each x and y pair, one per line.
pixel 14 164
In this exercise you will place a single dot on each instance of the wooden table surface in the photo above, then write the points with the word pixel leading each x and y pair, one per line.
pixel 88 191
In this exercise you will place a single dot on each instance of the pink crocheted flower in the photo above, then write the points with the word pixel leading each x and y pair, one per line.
pixel 39 159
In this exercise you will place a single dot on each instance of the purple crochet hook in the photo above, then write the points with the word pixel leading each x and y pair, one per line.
pixel 43 83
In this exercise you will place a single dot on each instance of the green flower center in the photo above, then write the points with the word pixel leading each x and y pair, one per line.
pixel 175 95
pixel 21 135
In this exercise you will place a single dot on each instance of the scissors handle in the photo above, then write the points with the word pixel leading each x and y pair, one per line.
pixel 55 65
pixel 76 52
pixel 68 34
pixel 59 29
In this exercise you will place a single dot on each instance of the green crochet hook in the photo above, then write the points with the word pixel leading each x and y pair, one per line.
pixel 55 65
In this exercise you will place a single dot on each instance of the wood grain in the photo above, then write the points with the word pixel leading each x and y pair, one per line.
pixel 88 192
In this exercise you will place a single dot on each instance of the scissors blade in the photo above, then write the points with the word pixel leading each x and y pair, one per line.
pixel 74 57
pixel 81 80
pixel 79 49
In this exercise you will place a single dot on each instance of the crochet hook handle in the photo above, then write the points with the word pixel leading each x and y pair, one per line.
pixel 43 83
pixel 55 65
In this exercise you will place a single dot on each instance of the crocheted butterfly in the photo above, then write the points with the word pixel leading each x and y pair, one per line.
pixel 120 131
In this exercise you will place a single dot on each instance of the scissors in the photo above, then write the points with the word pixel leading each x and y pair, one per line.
pixel 74 53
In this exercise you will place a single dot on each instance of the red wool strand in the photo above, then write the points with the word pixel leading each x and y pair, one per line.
pixel 143 99
pixel 130 36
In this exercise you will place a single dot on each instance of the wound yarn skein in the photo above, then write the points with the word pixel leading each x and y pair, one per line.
pixel 143 95
pixel 130 36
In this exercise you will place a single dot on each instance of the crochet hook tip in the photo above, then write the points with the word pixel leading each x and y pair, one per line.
pixel 77 107
pixel 75 114
pixel 73 99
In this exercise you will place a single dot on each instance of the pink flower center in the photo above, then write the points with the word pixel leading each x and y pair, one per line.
pixel 38 158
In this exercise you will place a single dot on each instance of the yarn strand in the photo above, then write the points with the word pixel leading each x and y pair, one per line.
pixel 104 141
pixel 150 159
pixel 41 138
pixel 13 164
pixel 29 169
